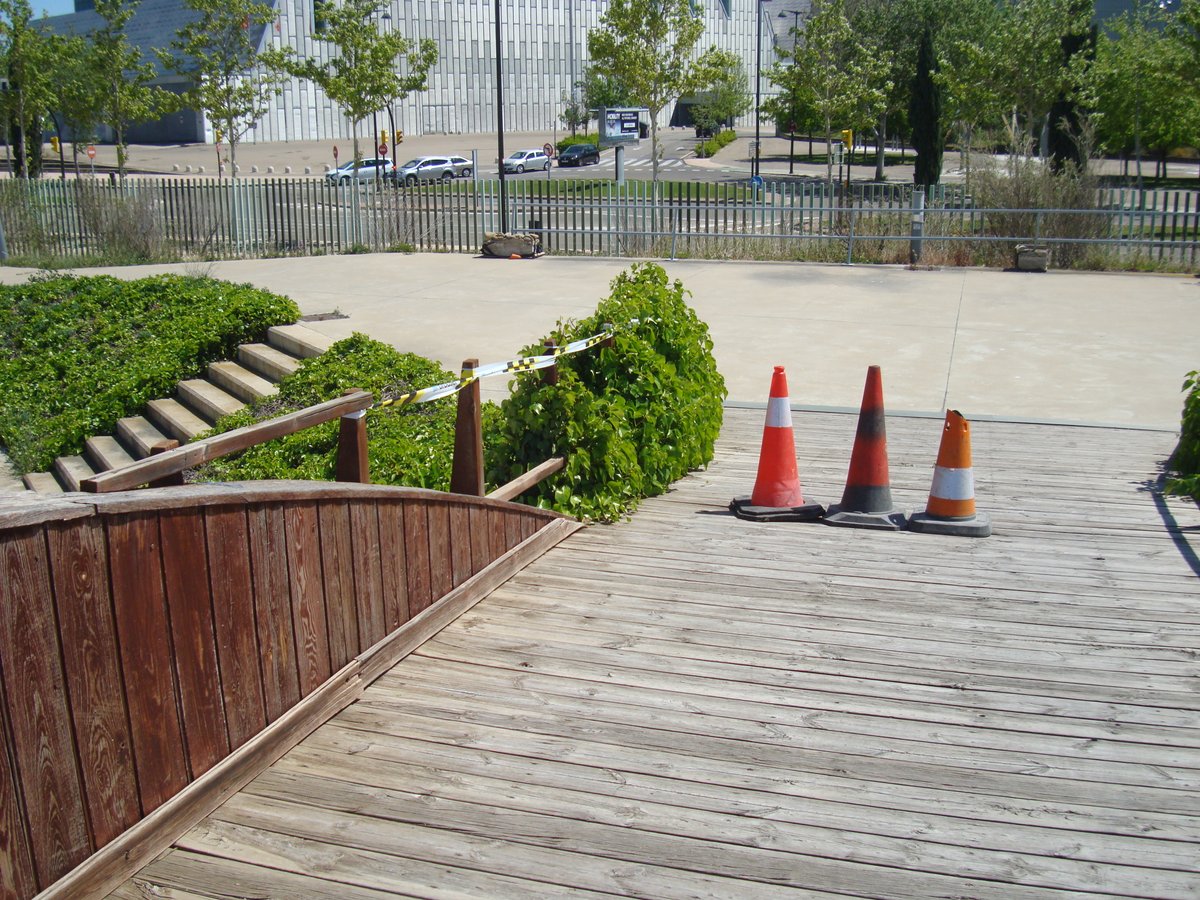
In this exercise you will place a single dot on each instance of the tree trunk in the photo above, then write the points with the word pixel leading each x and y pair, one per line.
pixel 880 149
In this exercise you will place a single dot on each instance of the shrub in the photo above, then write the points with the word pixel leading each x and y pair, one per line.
pixel 566 142
pixel 716 142
pixel 1185 461
pixel 411 446
pixel 629 419
pixel 77 354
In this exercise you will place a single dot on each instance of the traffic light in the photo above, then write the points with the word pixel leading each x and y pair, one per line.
pixel 383 136
pixel 399 136
pixel 54 144
pixel 848 139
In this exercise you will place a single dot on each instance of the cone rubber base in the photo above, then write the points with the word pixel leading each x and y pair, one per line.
pixel 979 525
pixel 809 512
pixel 891 520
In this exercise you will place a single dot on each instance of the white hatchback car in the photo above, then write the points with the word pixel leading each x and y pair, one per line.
pixel 368 170
pixel 524 160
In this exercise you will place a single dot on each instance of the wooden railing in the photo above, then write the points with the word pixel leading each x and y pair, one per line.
pixel 151 642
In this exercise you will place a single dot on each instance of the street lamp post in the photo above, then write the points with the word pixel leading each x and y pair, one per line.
pixel 500 126
pixel 758 30
pixel 386 19
pixel 792 108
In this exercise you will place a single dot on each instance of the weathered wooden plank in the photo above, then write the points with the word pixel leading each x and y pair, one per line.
pixel 308 600
pixel 460 544
pixel 228 540
pixel 478 526
pixel 368 563
pixel 145 639
pixel 193 639
pixel 337 574
pixel 441 573
pixel 18 876
pixel 273 608
pixel 416 556
pixel 92 661
pixel 394 566
pixel 497 537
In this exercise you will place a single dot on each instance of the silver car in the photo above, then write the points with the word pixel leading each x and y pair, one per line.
pixel 525 160
pixel 433 168
pixel 368 170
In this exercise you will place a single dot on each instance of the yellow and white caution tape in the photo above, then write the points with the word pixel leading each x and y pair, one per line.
pixel 468 376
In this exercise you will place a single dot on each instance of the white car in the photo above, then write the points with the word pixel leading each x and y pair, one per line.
pixel 524 160
pixel 433 168
pixel 368 170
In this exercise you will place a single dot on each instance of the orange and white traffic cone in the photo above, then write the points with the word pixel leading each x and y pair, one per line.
pixel 867 500
pixel 951 507
pixel 777 496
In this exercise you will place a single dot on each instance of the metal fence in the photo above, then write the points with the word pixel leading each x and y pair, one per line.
pixel 182 218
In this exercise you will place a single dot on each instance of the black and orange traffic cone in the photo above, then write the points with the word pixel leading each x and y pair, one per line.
pixel 777 496
pixel 951 507
pixel 867 500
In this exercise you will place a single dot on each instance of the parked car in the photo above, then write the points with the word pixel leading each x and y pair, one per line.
pixel 523 160
pixel 580 155
pixel 433 168
pixel 368 170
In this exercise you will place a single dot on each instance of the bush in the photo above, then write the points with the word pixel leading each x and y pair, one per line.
pixel 77 354
pixel 1185 461
pixel 629 419
pixel 411 446
pixel 566 142
pixel 715 143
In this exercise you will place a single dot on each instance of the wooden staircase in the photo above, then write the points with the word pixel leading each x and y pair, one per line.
pixel 198 403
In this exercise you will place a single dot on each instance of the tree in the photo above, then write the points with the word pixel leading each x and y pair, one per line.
pixel 27 58
pixel 123 76
pixel 231 80
pixel 80 96
pixel 361 75
pixel 925 114
pixel 575 113
pixel 647 46
pixel 727 90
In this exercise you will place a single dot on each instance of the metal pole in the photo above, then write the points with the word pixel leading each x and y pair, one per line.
pixel 792 130
pixel 918 226
pixel 500 126
pixel 757 84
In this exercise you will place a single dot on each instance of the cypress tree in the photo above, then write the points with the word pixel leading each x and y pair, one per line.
pixel 925 114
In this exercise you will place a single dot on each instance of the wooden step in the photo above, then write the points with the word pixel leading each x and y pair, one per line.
pixel 105 452
pixel 298 340
pixel 175 420
pixel 42 483
pixel 271 364
pixel 70 470
pixel 206 399
pixel 240 381
pixel 139 434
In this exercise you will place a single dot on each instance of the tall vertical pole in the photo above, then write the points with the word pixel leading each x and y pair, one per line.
pixel 757 84
pixel 792 130
pixel 500 125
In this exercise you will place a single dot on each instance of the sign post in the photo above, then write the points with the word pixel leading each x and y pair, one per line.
pixel 619 128
pixel 548 149
pixel 91 152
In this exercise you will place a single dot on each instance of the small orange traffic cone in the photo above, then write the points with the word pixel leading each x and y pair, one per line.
pixel 951 507
pixel 867 500
pixel 777 496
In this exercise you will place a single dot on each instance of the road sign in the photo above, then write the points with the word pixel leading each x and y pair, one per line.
pixel 335 152
pixel 548 149
pixel 383 149
pixel 91 151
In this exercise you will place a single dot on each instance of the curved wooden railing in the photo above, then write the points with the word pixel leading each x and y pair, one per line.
pixel 158 647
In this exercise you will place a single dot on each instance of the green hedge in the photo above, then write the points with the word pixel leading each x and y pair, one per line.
pixel 566 142
pixel 1186 458
pixel 716 142
pixel 410 446
pixel 629 419
pixel 79 353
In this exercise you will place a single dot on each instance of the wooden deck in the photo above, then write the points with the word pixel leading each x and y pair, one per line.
pixel 689 705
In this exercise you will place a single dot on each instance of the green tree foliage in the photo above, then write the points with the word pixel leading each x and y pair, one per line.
pixel 231 80
pixel 80 96
pixel 1185 461
pixel 361 75
pixel 648 46
pixel 1069 141
pixel 727 92
pixel 925 114
pixel 124 76
pixel 835 73
pixel 27 60
pixel 629 419
pixel 575 113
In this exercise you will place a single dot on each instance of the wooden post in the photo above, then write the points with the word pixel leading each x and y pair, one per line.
pixel 352 463
pixel 173 480
pixel 550 373
pixel 466 476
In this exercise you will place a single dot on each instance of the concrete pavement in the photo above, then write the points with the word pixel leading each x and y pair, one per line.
pixel 1061 346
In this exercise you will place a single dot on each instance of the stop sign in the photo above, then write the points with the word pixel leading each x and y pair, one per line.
pixel 383 149
pixel 91 151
